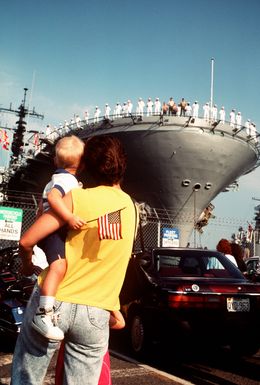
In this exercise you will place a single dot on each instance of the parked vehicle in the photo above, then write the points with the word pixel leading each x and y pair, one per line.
pixel 253 268
pixel 15 291
pixel 178 295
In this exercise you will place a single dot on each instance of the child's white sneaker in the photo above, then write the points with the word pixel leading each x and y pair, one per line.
pixel 44 322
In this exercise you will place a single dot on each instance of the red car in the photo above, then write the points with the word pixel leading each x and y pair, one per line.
pixel 190 295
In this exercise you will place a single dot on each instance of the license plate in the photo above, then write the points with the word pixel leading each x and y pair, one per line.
pixel 238 304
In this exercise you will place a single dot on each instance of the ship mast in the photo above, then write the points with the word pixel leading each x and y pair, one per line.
pixel 18 137
pixel 18 144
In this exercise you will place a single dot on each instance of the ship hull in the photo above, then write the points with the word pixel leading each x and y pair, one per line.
pixel 174 163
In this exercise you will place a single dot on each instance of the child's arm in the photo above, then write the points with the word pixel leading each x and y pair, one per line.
pixel 59 207
pixel 116 320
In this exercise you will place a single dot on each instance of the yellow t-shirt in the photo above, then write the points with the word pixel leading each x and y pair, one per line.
pixel 96 268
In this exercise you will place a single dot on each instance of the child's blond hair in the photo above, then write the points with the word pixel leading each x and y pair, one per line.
pixel 69 151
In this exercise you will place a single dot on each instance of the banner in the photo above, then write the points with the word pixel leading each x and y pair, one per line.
pixel 170 237
pixel 10 223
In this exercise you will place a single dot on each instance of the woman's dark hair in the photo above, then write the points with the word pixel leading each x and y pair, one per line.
pixel 237 252
pixel 105 159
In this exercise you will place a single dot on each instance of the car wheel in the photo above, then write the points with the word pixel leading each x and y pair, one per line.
pixel 138 337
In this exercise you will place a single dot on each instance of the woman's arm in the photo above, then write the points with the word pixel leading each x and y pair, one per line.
pixel 46 224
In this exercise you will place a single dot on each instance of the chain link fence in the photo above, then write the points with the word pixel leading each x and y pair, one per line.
pixel 149 234
pixel 156 226
pixel 28 203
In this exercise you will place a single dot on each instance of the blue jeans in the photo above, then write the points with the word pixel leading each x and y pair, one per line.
pixel 86 330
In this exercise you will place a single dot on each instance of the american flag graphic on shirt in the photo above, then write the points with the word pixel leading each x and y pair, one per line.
pixel 109 226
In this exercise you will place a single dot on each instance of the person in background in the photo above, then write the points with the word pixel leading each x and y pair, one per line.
pixel 224 247
pixel 149 107
pixel 117 111
pixel 183 105
pixel 140 107
pixel 78 121
pixel 86 116
pixel 165 108
pixel 232 116
pixel 124 109
pixel 96 114
pixel 238 121
pixel 157 106
pixel 188 110
pixel 97 256
pixel 195 109
pixel 107 111
pixel 129 107
pixel 222 115
pixel 238 253
pixel 214 113
pixel 248 128
pixel 171 106
pixel 206 111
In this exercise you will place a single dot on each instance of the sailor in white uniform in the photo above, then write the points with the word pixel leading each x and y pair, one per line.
pixel 61 130
pixel 140 107
pixel 214 113
pixel 129 107
pixel 124 109
pixel 86 116
pixel 66 127
pixel 107 111
pixel 157 106
pixel 195 109
pixel 149 105
pixel 222 115
pixel 232 116
pixel 96 114
pixel 49 131
pixel 206 111
pixel 248 127
pixel 253 131
pixel 118 109
pixel 188 109
pixel 238 120
pixel 78 121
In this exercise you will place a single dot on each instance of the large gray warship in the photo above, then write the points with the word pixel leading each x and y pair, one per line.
pixel 176 164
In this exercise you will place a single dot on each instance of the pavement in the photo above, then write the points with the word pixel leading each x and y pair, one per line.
pixel 124 371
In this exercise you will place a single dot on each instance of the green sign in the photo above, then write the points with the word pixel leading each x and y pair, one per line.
pixel 10 223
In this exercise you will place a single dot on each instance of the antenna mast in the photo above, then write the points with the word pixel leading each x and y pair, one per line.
pixel 18 137
pixel 211 83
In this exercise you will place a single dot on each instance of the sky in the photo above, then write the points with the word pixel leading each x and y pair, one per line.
pixel 74 55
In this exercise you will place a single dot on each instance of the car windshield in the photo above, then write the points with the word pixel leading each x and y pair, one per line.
pixel 190 263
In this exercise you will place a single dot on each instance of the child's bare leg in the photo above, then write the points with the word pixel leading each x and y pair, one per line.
pixel 56 272
pixel 51 282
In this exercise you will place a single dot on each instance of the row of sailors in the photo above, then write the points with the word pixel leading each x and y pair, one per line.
pixel 156 108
